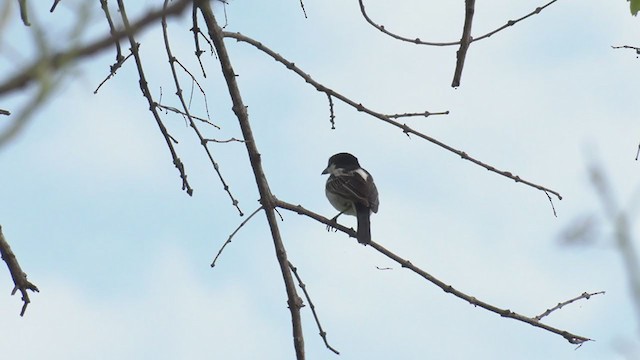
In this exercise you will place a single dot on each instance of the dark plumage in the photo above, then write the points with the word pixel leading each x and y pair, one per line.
pixel 351 190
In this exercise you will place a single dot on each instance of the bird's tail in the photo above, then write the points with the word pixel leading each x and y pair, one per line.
pixel 364 225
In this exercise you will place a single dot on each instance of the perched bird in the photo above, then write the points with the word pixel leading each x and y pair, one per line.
pixel 351 190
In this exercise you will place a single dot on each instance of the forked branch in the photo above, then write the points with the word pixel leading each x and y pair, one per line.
pixel 418 41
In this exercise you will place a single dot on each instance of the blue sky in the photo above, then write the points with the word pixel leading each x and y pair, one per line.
pixel 92 205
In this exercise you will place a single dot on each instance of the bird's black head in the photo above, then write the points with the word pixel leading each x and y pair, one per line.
pixel 344 161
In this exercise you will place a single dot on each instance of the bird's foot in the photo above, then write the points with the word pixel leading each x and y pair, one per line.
pixel 335 222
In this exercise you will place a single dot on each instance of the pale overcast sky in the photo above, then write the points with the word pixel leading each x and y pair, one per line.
pixel 91 202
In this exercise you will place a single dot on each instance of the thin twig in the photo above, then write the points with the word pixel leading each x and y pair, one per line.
pixel 332 115
pixel 513 22
pixel 323 334
pixel 584 295
pixel 19 277
pixel 213 263
pixel 224 141
pixel 572 338
pixel 195 81
pixel 112 71
pixel 196 31
pixel 112 30
pixel 635 48
pixel 144 87
pixel 551 202
pixel 180 112
pixel 417 114
pixel 303 10
pixel 358 106
pixel 172 62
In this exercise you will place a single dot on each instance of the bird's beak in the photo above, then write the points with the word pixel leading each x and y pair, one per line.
pixel 325 171
pixel 328 169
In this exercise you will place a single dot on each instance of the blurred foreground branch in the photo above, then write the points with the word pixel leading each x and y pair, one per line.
pixel 19 277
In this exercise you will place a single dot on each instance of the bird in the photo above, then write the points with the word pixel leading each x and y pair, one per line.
pixel 351 190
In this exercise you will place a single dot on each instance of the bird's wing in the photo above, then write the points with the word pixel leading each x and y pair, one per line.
pixel 351 186
pixel 373 195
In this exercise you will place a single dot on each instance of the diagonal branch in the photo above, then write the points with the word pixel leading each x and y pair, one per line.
pixel 243 223
pixel 172 61
pixel 358 106
pixel 144 87
pixel 572 338
pixel 303 286
pixel 560 305
pixel 266 198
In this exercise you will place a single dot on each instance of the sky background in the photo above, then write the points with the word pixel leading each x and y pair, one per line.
pixel 92 206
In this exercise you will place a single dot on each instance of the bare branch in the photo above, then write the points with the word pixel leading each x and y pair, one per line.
pixel 112 30
pixel 424 114
pixel 332 115
pixel 172 61
pixel 196 31
pixel 144 87
pixel 464 42
pixel 358 106
pixel 634 48
pixel 112 70
pixel 551 202
pixel 323 334
pixel 399 37
pixel 513 22
pixel 584 295
pixel 572 338
pixel 180 112
pixel 19 277
pixel 449 43
pixel 213 263
pixel 224 141
pixel 267 199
